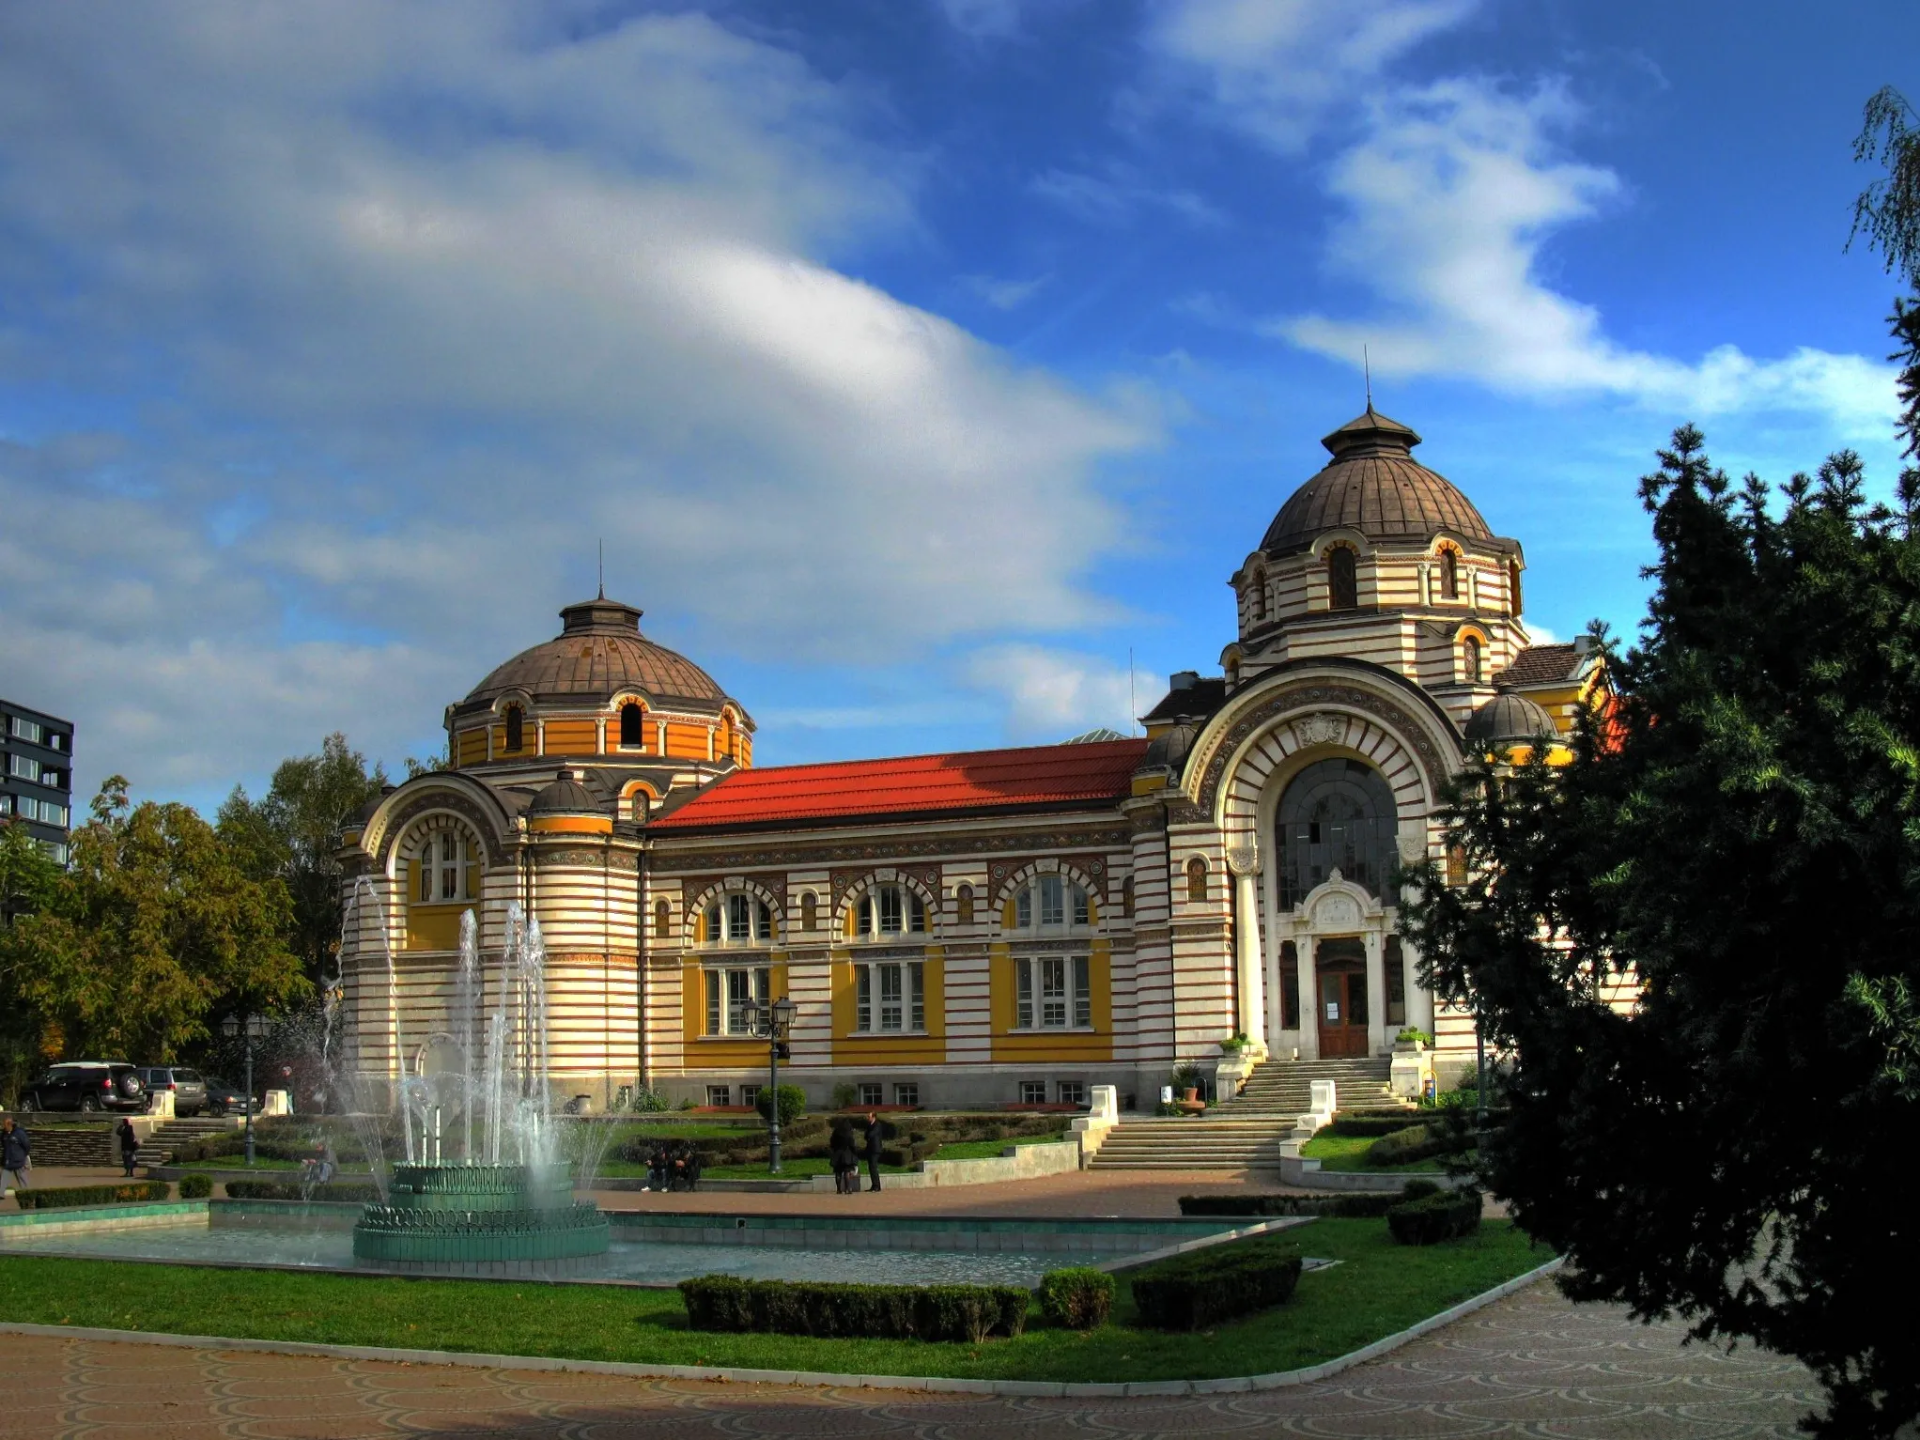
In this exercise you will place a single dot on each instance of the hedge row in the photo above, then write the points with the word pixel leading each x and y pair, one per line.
pixel 196 1187
pixel 293 1190
pixel 1078 1297
pixel 1433 1218
pixel 120 1194
pixel 1421 1142
pixel 857 1312
pixel 1366 1205
pixel 1362 1125
pixel 1202 1287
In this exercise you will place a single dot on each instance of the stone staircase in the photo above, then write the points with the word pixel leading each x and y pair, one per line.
pixel 158 1147
pixel 1244 1133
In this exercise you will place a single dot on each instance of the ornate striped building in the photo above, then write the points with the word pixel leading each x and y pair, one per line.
pixel 994 926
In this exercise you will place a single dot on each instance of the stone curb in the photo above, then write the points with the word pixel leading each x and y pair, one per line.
pixel 1046 1389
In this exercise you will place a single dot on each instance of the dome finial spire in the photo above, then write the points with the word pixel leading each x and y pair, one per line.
pixel 603 546
pixel 1366 368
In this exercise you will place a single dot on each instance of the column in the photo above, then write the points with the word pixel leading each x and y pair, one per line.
pixel 1244 864
pixel 1377 1036
pixel 600 736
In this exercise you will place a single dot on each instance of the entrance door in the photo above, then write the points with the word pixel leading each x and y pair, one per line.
pixel 1341 967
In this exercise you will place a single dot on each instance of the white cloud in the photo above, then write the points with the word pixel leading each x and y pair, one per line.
pixel 1052 694
pixel 1006 294
pixel 432 297
pixel 983 17
pixel 1450 198
pixel 1276 68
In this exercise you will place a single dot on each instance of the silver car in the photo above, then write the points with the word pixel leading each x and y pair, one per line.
pixel 189 1090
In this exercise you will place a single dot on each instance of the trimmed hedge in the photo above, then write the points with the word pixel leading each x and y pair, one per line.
pixel 196 1187
pixel 334 1191
pixel 123 1193
pixel 1079 1297
pixel 1361 1126
pixel 1365 1205
pixel 1203 1287
pixel 854 1312
pixel 1433 1218
pixel 1421 1142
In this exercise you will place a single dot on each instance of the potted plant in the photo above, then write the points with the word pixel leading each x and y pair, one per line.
pixel 1233 1044
pixel 1187 1082
pixel 1413 1039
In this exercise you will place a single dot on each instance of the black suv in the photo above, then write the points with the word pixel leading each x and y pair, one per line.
pixel 86 1085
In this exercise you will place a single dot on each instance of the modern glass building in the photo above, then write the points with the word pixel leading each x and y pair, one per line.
pixel 36 775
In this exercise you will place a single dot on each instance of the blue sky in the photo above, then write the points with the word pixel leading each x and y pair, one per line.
pixel 915 359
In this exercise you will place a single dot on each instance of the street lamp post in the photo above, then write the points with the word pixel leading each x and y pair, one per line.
pixel 251 1029
pixel 771 1023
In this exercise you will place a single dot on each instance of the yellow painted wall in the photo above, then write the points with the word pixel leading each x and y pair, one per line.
pixel 572 737
pixel 686 742
pixel 726 1052
pixel 470 747
pixel 434 927
pixel 1042 1047
pixel 850 1048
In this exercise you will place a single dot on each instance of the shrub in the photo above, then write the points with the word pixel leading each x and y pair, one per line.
pixel 125 1192
pixel 1432 1218
pixel 333 1192
pixel 196 1187
pixel 1421 1142
pixel 880 1312
pixel 793 1104
pixel 646 1101
pixel 1079 1298
pixel 1363 1125
pixel 844 1095
pixel 1202 1287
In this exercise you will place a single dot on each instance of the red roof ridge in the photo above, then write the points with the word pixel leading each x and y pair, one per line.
pixel 1064 750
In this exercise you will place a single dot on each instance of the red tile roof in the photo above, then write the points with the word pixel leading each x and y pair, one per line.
pixel 1034 777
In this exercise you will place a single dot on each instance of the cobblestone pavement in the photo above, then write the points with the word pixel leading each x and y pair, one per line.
pixel 1530 1365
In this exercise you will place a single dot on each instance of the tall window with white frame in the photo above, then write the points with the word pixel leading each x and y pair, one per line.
pixel 888 910
pixel 1053 991
pixel 729 991
pixel 738 919
pixel 440 869
pixel 890 997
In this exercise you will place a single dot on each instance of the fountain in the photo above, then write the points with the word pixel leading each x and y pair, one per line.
pixel 506 1204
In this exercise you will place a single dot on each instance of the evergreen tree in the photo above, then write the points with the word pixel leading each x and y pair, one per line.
pixel 1740 831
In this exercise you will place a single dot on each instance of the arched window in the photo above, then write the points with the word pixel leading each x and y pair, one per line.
pixel 1337 815
pixel 1513 587
pixel 1196 881
pixel 1052 902
pixel 441 873
pixel 1343 579
pixel 633 727
pixel 516 730
pixel 809 912
pixel 1456 865
pixel 888 910
pixel 638 806
pixel 1450 573
pixel 738 918
pixel 1126 897
pixel 662 920
pixel 1470 660
pixel 1257 598
pixel 963 900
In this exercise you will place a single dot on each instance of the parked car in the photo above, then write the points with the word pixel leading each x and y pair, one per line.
pixel 86 1085
pixel 189 1090
pixel 225 1099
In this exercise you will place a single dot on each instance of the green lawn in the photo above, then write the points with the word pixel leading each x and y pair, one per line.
pixel 1349 1152
pixel 1378 1289
pixel 239 1162
pixel 988 1149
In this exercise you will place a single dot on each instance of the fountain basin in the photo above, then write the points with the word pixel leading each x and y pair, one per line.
pixel 444 1217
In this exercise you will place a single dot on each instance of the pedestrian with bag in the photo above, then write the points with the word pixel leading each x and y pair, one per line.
pixel 16 1155
pixel 129 1145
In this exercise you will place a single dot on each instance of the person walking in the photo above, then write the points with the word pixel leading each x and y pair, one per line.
pixel 129 1145
pixel 877 1132
pixel 16 1155
pixel 842 1155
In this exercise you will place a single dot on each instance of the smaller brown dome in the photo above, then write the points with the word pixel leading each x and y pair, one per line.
pixel 1375 486
pixel 565 796
pixel 1509 719
pixel 1171 748
pixel 598 653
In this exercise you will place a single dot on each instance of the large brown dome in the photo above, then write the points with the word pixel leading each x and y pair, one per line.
pixel 1374 485
pixel 600 652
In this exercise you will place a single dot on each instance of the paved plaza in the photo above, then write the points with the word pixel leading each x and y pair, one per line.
pixel 1530 1365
